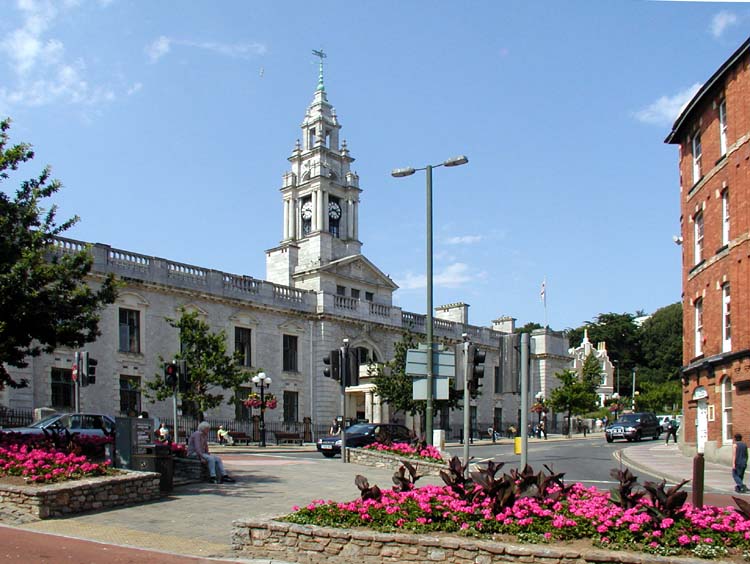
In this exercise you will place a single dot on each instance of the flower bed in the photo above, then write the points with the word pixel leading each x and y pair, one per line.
pixel 420 452
pixel 540 508
pixel 36 462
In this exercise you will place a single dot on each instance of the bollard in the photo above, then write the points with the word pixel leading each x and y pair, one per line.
pixel 517 445
pixel 698 473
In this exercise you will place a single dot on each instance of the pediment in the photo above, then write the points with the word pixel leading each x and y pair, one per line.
pixel 243 318
pixel 292 326
pixel 356 267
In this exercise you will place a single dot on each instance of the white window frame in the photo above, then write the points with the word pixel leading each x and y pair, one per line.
pixel 698 321
pixel 726 410
pixel 697 154
pixel 726 318
pixel 698 234
pixel 725 217
pixel 723 127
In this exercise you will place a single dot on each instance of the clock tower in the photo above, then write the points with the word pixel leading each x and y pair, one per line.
pixel 320 197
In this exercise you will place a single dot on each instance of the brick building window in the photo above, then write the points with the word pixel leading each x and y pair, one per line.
pixel 723 127
pixel 291 407
pixel 725 217
pixel 130 330
pixel 289 346
pixel 698 237
pixel 726 325
pixel 62 388
pixel 130 395
pixel 726 411
pixel 697 154
pixel 698 326
pixel 242 337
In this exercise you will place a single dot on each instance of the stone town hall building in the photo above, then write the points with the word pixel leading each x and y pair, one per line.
pixel 713 137
pixel 319 289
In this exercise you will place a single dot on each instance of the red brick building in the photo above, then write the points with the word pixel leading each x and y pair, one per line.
pixel 713 137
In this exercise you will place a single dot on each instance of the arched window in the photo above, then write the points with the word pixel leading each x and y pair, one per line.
pixel 726 410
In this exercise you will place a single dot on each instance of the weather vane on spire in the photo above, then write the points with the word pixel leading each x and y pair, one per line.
pixel 322 56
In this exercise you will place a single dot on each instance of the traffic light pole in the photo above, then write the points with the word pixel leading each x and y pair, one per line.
pixel 77 383
pixel 467 409
pixel 344 372
pixel 524 400
pixel 428 319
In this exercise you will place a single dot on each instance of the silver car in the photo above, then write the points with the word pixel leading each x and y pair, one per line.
pixel 86 424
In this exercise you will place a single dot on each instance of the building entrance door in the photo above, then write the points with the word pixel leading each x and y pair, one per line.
pixel 702 425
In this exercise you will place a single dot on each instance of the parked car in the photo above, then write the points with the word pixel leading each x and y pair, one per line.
pixel 363 434
pixel 86 424
pixel 634 427
pixel 664 421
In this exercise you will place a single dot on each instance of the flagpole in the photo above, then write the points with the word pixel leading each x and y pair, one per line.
pixel 543 294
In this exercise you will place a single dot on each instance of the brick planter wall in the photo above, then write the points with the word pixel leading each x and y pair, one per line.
pixel 379 459
pixel 307 544
pixel 19 504
pixel 189 471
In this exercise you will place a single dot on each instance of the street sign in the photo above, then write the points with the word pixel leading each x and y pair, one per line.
pixel 443 362
pixel 440 388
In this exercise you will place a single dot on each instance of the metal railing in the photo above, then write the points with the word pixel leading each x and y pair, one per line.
pixel 15 417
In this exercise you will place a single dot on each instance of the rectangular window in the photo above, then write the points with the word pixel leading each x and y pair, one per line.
pixel 369 296
pixel 498 380
pixel 290 353
pixel 698 326
pixel 698 237
pixel 497 421
pixel 241 411
pixel 697 154
pixel 355 294
pixel 242 345
pixel 130 330
pixel 62 388
pixel 340 291
pixel 725 217
pixel 130 395
pixel 727 317
pixel 723 127
pixel 291 407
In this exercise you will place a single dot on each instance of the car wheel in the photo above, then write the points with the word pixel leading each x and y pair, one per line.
pixel 638 437
pixel 328 454
pixel 629 440
pixel 610 439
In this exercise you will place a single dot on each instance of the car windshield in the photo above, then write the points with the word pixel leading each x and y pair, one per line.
pixel 628 419
pixel 359 428
pixel 46 422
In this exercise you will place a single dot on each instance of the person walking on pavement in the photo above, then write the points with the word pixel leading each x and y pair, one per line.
pixel 672 430
pixel 198 448
pixel 739 463
pixel 543 428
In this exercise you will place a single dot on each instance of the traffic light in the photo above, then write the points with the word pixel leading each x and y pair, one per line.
pixel 170 374
pixel 475 371
pixel 87 369
pixel 183 376
pixel 352 367
pixel 333 365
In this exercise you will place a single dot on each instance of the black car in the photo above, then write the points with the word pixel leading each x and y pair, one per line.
pixel 85 424
pixel 363 434
pixel 634 427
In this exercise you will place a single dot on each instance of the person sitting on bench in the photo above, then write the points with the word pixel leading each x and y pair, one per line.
pixel 198 448
pixel 224 436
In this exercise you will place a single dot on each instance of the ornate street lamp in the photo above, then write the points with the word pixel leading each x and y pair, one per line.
pixel 262 382
pixel 398 173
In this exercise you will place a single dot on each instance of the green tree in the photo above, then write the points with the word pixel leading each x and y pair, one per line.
pixel 574 396
pixel 528 328
pixel 45 302
pixel 210 369
pixel 661 345
pixel 592 371
pixel 395 388
pixel 660 397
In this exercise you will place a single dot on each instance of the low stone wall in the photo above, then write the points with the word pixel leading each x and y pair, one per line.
pixel 19 504
pixel 189 471
pixel 309 544
pixel 380 459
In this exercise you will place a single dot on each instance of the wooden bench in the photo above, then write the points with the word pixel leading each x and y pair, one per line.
pixel 240 437
pixel 285 437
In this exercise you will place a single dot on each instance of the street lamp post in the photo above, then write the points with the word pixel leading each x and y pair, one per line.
pixel 398 173
pixel 616 397
pixel 617 368
pixel 262 381
pixel 634 388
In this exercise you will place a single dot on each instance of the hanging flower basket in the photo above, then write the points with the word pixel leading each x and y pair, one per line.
pixel 271 401
pixel 252 401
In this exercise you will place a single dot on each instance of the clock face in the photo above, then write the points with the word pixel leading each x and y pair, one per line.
pixel 307 210
pixel 334 210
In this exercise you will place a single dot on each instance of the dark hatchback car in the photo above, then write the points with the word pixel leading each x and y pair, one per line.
pixel 363 434
pixel 86 424
pixel 634 427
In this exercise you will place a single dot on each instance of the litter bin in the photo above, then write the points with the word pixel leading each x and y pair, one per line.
pixel 157 459
pixel 517 445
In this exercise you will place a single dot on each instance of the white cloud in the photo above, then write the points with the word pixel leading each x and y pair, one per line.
pixel 464 240
pixel 666 109
pixel 163 45
pixel 453 276
pixel 721 22
pixel 42 74
pixel 158 48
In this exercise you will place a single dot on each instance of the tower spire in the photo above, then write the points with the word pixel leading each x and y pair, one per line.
pixel 321 55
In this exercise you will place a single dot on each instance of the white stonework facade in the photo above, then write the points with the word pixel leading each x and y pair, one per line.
pixel 318 290
pixel 581 353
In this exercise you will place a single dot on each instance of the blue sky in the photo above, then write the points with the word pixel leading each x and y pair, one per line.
pixel 169 124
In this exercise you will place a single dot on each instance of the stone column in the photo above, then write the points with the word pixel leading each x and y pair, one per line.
pixel 349 219
pixel 315 204
pixel 355 221
pixel 286 220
